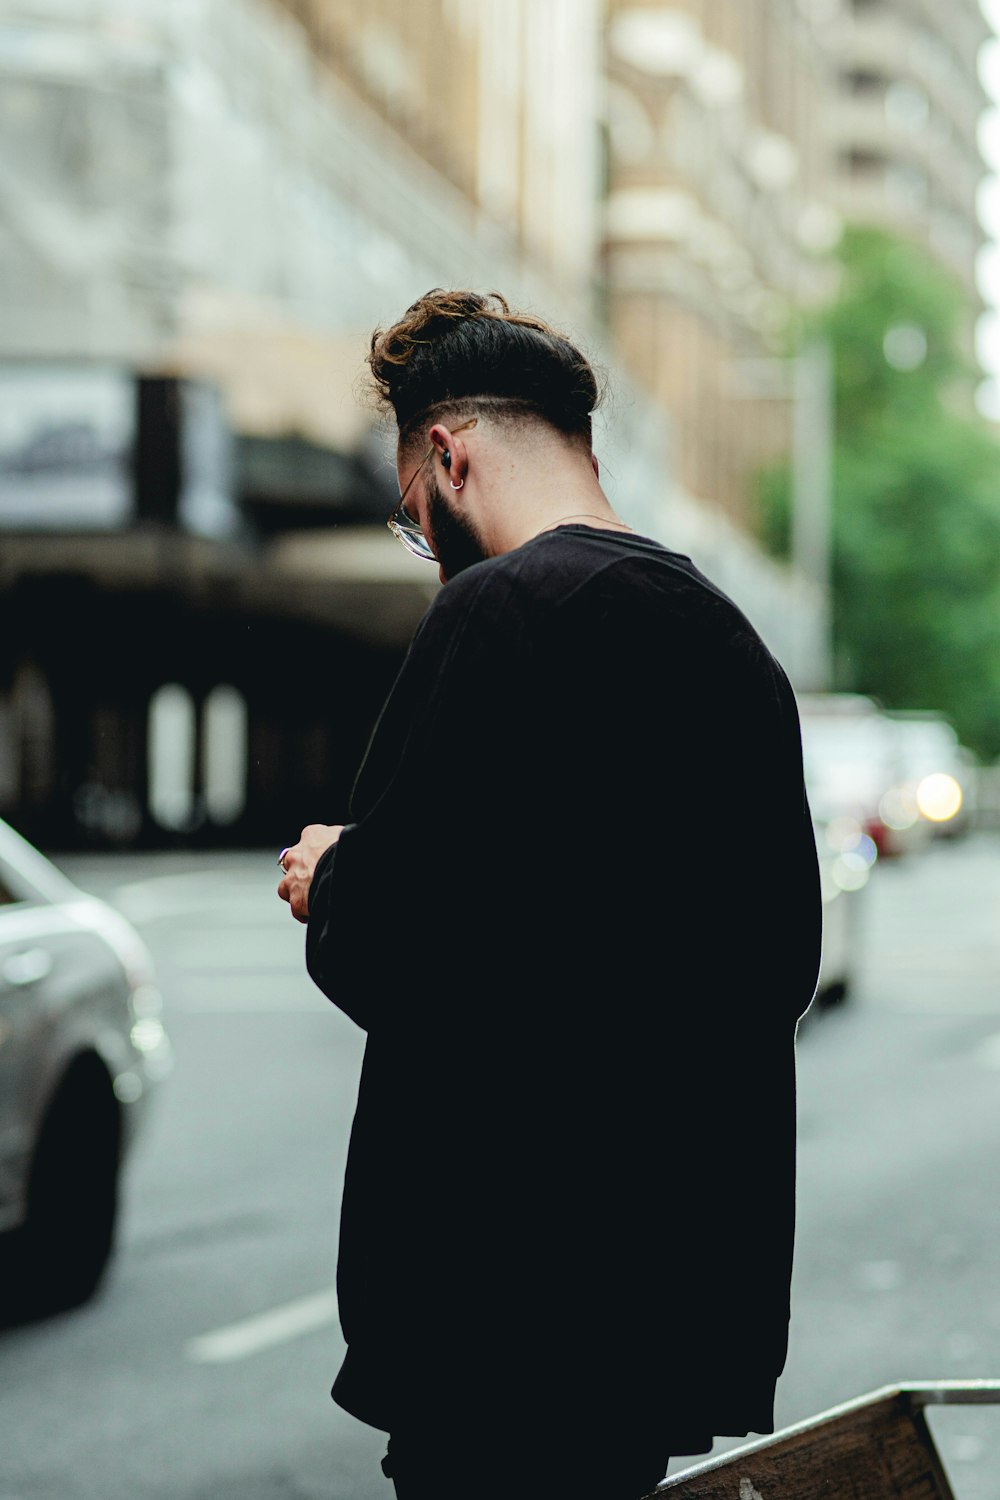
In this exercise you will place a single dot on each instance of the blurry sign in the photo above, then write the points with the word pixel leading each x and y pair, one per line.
pixel 98 448
pixel 66 439
pixel 206 503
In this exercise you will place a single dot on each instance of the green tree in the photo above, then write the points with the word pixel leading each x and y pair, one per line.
pixel 916 492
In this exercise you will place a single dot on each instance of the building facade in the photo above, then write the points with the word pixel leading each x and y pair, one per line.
pixel 904 124
pixel 500 97
pixel 194 186
pixel 717 218
pixel 205 208
pixel 740 139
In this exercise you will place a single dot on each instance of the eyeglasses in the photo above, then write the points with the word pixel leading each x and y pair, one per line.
pixel 402 525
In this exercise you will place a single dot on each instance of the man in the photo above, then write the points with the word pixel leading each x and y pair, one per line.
pixel 576 909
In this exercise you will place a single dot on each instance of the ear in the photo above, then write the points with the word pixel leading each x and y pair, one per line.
pixel 595 466
pixel 451 453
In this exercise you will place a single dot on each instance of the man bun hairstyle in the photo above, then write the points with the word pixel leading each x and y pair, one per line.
pixel 459 349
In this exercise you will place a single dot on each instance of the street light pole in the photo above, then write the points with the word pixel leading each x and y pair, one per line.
pixel 812 487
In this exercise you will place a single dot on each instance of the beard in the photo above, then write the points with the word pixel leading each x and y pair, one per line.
pixel 456 542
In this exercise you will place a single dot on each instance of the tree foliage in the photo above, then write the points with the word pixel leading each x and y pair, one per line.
pixel 916 492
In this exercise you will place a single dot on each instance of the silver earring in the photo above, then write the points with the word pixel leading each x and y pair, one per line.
pixel 454 485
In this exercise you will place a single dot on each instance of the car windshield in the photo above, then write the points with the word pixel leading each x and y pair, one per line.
pixel 847 761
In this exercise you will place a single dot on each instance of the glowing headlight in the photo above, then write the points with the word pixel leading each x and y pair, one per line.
pixel 148 1035
pixel 939 797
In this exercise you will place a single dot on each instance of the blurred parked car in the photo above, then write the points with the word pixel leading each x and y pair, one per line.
pixel 935 773
pixel 82 1047
pixel 846 753
pixel 850 750
pixel 847 856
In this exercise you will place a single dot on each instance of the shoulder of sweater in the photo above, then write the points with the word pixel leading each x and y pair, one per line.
pixel 550 574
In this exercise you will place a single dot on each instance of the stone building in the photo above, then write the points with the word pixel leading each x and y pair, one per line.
pixel 741 136
pixel 205 207
pixel 904 123
pixel 528 108
pixel 717 218
pixel 501 97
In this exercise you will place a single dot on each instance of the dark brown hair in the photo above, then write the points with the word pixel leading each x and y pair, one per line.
pixel 461 349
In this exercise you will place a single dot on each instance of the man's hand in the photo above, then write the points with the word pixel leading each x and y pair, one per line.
pixel 299 863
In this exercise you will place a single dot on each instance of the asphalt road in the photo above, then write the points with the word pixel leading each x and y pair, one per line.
pixel 202 1371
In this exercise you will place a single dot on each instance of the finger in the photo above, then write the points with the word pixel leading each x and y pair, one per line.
pixel 284 891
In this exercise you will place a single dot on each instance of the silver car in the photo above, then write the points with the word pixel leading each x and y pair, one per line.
pixel 82 1048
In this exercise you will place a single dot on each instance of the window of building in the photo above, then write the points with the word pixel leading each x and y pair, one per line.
pixel 864 82
pixel 906 106
pixel 859 161
pixel 224 754
pixel 171 750
pixel 907 186
pixel 33 731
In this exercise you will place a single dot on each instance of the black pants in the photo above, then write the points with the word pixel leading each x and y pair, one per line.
pixel 495 1470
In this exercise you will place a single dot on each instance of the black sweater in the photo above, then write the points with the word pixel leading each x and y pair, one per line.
pixel 577 911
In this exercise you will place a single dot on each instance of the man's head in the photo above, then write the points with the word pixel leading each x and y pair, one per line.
pixel 459 356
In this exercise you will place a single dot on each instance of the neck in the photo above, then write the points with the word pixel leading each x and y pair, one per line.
pixel 525 492
pixel 599 521
pixel 551 506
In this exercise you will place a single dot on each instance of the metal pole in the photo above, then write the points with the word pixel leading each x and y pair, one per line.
pixel 812 487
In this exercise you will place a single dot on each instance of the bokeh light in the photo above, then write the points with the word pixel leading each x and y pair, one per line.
pixel 939 797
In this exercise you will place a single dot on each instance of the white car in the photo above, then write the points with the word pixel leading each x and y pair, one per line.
pixel 935 773
pixel 846 858
pixel 847 760
pixel 850 753
pixel 82 1048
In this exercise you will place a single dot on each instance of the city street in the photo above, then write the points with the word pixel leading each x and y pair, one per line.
pixel 202 1371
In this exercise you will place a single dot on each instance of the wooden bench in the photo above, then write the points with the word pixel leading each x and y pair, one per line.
pixel 878 1447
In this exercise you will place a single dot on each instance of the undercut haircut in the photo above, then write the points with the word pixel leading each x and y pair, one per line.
pixel 462 353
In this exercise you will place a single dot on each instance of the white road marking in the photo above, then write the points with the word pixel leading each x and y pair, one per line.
pixel 251 1335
